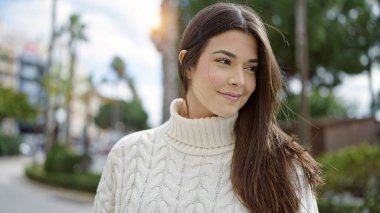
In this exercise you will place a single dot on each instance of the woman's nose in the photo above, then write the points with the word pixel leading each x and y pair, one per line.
pixel 237 77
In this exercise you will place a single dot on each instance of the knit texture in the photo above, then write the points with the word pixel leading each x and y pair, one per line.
pixel 180 166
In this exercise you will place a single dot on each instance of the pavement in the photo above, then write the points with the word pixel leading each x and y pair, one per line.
pixel 18 194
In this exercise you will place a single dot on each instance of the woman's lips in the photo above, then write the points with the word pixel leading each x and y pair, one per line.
pixel 233 97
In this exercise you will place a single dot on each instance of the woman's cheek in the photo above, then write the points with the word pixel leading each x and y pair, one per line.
pixel 216 76
pixel 251 84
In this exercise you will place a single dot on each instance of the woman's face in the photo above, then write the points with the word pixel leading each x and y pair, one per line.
pixel 224 77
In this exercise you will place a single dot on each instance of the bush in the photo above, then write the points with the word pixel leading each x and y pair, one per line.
pixel 9 145
pixel 83 181
pixel 62 159
pixel 353 170
pixel 327 206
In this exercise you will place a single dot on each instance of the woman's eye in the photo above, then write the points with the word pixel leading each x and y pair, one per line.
pixel 223 61
pixel 252 69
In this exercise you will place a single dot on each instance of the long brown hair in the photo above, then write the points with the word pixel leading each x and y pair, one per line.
pixel 264 156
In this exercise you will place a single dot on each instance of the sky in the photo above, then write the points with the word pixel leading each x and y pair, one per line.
pixel 114 27
pixel 122 27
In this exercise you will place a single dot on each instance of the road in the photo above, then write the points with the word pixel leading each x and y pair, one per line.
pixel 19 194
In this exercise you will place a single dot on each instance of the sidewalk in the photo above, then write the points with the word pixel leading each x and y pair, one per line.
pixel 19 194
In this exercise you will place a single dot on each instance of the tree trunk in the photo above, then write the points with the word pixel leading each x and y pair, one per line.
pixel 166 40
pixel 69 95
pixel 49 111
pixel 302 65
pixel 131 85
pixel 371 91
pixel 86 138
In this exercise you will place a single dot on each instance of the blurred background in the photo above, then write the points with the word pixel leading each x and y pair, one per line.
pixel 77 75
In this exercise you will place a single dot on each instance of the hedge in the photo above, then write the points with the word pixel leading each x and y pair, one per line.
pixel 63 159
pixel 9 145
pixel 82 181
pixel 355 171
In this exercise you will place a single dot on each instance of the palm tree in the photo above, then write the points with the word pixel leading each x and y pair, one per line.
pixel 119 67
pixel 76 32
pixel 166 39
pixel 49 124
pixel 86 100
pixel 302 64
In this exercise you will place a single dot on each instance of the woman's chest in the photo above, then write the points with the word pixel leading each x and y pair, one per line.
pixel 169 181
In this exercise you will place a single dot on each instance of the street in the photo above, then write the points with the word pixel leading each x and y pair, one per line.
pixel 19 194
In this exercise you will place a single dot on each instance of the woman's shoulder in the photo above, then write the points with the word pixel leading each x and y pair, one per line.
pixel 130 141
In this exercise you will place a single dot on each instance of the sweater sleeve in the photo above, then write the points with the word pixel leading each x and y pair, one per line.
pixel 105 195
pixel 308 203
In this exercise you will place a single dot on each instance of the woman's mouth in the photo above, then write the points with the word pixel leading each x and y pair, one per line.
pixel 233 97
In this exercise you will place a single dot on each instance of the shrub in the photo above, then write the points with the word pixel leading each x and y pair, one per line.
pixel 9 145
pixel 83 181
pixel 353 170
pixel 62 159
pixel 327 206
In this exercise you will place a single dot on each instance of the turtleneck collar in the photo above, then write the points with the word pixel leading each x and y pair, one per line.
pixel 203 136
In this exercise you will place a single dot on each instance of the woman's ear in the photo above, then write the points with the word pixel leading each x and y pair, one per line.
pixel 181 55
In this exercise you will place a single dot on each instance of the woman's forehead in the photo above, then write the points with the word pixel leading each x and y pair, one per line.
pixel 233 41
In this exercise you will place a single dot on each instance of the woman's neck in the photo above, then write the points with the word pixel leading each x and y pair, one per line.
pixel 191 111
pixel 203 136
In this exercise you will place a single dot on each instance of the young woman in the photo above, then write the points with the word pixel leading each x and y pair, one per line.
pixel 221 150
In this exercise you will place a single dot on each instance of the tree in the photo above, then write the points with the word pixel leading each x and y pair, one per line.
pixel 53 86
pixel 49 111
pixel 343 35
pixel 340 31
pixel 132 115
pixel 165 38
pixel 15 105
pixel 86 100
pixel 302 65
pixel 322 104
pixel 76 32
pixel 119 67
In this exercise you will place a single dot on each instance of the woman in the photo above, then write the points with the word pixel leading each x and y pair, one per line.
pixel 221 150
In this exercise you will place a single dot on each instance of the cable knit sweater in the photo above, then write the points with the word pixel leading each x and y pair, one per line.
pixel 181 166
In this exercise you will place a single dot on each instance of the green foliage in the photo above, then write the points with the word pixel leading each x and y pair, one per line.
pixel 9 145
pixel 62 159
pixel 83 181
pixel 15 105
pixel 119 66
pixel 75 29
pixel 325 206
pixel 341 33
pixel 326 105
pixel 354 170
pixel 351 169
pixel 104 117
pixel 53 83
pixel 132 115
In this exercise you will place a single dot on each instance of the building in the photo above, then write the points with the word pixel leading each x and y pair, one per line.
pixel 22 65
pixel 330 135
pixel 30 74
pixel 8 68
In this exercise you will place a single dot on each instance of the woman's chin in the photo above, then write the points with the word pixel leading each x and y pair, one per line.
pixel 226 114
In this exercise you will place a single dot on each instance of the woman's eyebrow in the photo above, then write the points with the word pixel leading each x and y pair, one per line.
pixel 225 52
pixel 253 60
pixel 230 54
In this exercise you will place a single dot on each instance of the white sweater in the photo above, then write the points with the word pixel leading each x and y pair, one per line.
pixel 181 166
